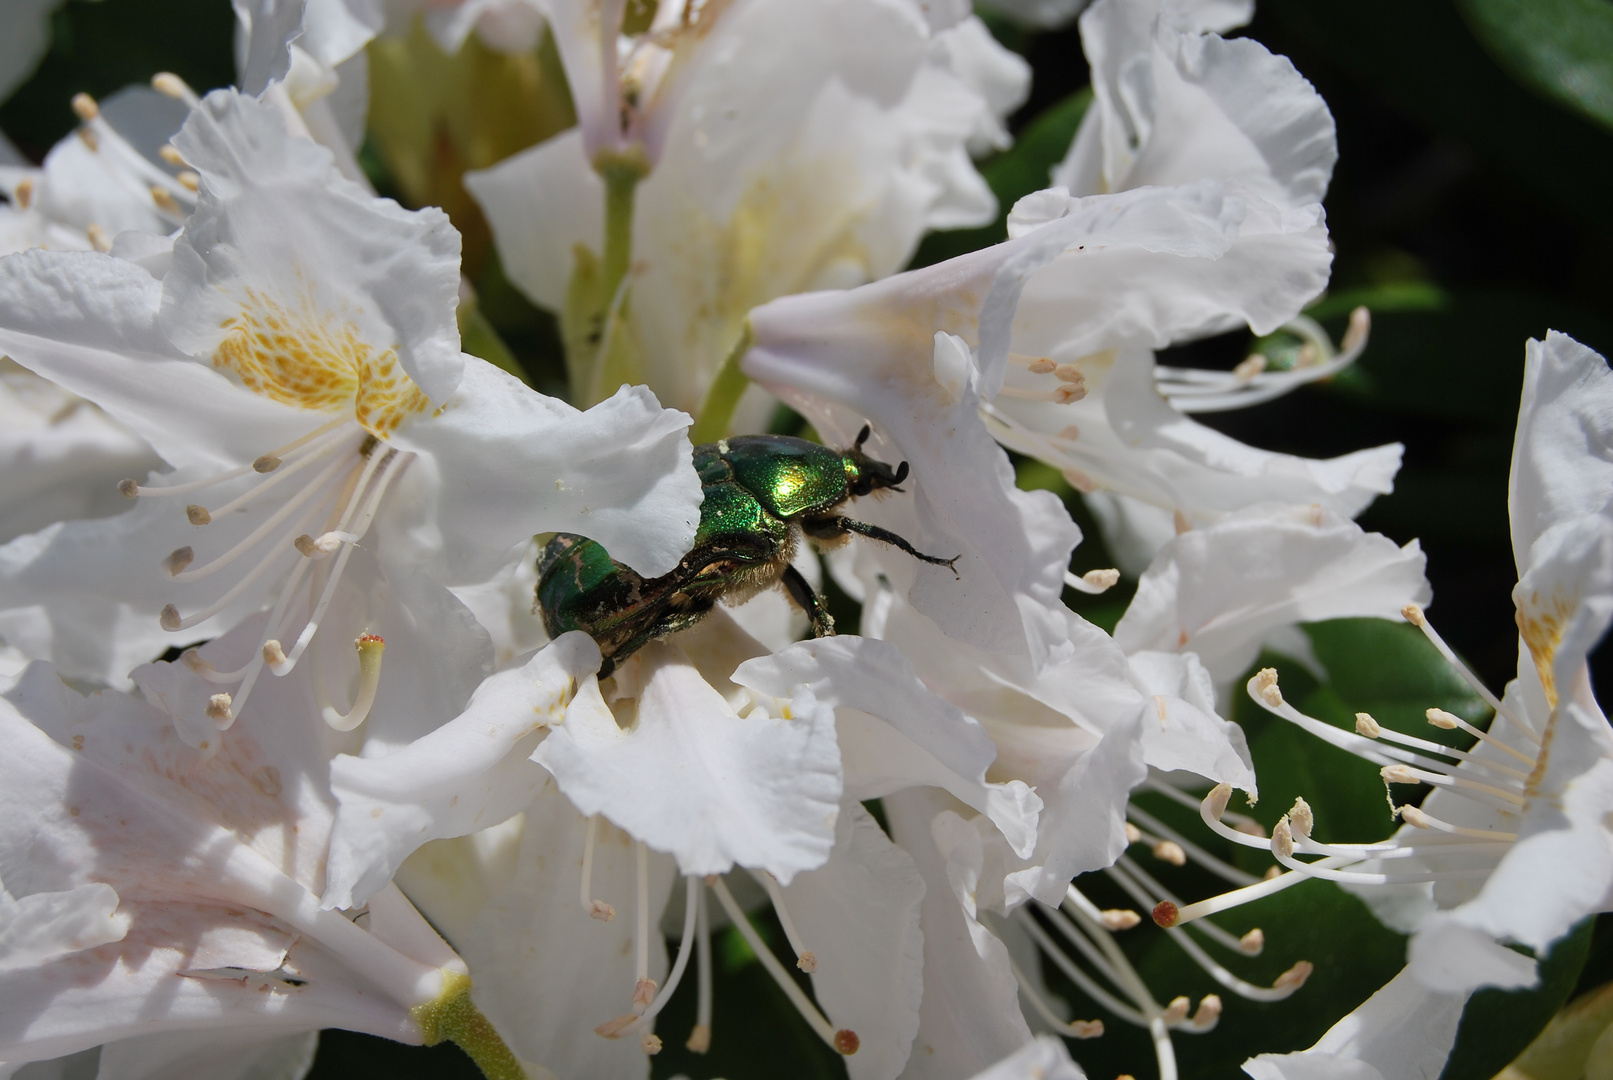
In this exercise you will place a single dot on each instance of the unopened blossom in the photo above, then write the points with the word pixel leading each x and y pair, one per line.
pixel 294 357
pixel 1513 845
pixel 152 889
pixel 750 150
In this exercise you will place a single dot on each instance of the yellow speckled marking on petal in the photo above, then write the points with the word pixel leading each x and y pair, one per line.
pixel 1542 628
pixel 311 360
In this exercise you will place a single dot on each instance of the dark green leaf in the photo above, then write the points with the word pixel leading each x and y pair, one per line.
pixel 1561 48
pixel 1497 1025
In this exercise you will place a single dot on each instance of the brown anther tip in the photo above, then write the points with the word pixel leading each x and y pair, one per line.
pixel 178 559
pixel 846 1041
pixel 169 619
pixel 198 515
pixel 129 489
pixel 85 107
pixel 1165 914
pixel 305 544
pixel 266 463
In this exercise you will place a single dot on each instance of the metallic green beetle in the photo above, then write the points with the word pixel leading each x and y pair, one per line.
pixel 761 493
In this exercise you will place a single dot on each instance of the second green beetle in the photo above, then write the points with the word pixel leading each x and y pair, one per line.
pixel 761 493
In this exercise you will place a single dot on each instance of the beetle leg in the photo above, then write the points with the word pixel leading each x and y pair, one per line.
pixel 827 528
pixel 800 590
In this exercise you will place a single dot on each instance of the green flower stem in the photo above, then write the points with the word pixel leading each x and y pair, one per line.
pixel 453 1016
pixel 717 411
pixel 621 173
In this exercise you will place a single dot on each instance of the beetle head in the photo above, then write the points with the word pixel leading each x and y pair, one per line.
pixel 865 474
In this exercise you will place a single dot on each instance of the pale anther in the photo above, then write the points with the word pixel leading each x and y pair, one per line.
pixel 598 909
pixel 129 489
pixel 1413 613
pixel 699 1039
pixel 1294 977
pixel 189 180
pixel 1414 817
pixel 95 233
pixel 166 82
pixel 650 1042
pixel 1181 523
pixel 1101 579
pixel 1171 852
pixel 1133 834
pixel 218 708
pixel 1399 774
pixel 611 1029
pixel 1120 918
pixel 1265 684
pixel 1069 373
pixel 1177 1010
pixel 1069 393
pixel 164 200
pixel 1355 335
pixel 273 654
pixel 170 153
pixel 1365 725
pixel 1252 942
pixel 1442 719
pixel 169 619
pixel 1282 839
pixel 85 107
pixel 1300 819
pixel 24 193
pixel 198 515
pixel 1044 366
pixel 807 962
pixel 1252 365
pixel 266 463
pixel 643 993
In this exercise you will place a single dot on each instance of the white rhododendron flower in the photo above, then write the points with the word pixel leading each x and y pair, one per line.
pixel 157 889
pixel 295 359
pixel 794 146
pixel 1513 844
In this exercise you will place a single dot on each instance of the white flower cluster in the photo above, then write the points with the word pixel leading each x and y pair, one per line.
pixel 284 742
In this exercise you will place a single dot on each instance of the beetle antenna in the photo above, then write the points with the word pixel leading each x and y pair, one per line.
pixel 901 473
pixel 862 436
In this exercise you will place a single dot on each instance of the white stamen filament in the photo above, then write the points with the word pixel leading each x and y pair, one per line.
pixel 842 1040
pixel 691 906
pixel 279 475
pixel 1193 390
pixel 370 649
pixel 1088 985
pixel 1242 822
pixel 1167 914
pixel 132 489
pixel 1076 1029
pixel 641 929
pixel 173 622
pixel 1417 817
pixel 1478 733
pixel 700 1037
pixel 171 85
pixel 805 958
pixel 1390 735
pixel 272 522
pixel 594 909
pixel 1358 877
pixel 1414 614
pixel 1405 774
pixel 1218 867
pixel 1147 891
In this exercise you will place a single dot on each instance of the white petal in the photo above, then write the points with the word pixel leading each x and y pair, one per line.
pixel 1562 461
pixel 545 973
pixel 1181 729
pixel 924 740
pixel 510 462
pixel 469 774
pixel 1218 591
pixel 46 925
pixel 1044 1059
pixel 1173 105
pixel 88 322
pixel 229 1055
pixel 272 218
pixel 1402 1032
pixel 695 778
pixel 859 914
pixel 969 1016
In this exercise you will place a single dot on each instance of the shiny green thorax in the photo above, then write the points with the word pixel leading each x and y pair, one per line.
pixel 759 490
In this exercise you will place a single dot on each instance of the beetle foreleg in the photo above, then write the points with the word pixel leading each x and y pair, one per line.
pixel 829 528
pixel 800 590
